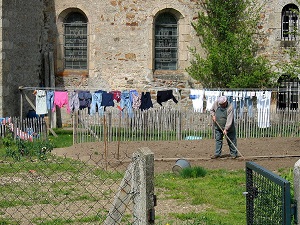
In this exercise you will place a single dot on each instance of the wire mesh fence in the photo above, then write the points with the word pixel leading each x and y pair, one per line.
pixel 65 190
pixel 268 197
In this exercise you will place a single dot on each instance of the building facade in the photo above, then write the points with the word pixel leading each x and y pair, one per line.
pixel 112 44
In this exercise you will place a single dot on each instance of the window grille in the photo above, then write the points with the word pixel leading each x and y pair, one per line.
pixel 288 95
pixel 166 42
pixel 289 18
pixel 75 41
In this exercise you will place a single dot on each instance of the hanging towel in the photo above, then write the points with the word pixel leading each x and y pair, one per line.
pixel 211 97
pixel 41 102
pixel 197 100
pixel 263 108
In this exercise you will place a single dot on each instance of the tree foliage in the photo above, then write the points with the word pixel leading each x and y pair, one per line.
pixel 227 31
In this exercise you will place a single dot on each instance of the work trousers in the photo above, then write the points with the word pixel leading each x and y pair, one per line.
pixel 219 141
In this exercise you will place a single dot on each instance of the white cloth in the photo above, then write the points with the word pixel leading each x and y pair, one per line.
pixel 263 108
pixel 41 102
pixel 211 97
pixel 198 100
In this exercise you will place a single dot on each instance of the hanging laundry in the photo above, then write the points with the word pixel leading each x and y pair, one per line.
pixel 211 97
pixel 41 102
pixel 146 102
pixel 135 99
pixel 96 104
pixel 61 99
pixel 126 102
pixel 263 108
pixel 197 99
pixel 50 99
pixel 228 95
pixel 242 98
pixel 107 99
pixel 24 135
pixel 85 99
pixel 74 101
pixel 116 95
pixel 249 103
pixel 163 96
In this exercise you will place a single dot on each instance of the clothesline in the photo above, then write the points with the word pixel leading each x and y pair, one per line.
pixel 130 99
pixel 163 88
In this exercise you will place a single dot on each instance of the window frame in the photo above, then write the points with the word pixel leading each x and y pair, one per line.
pixel 166 40
pixel 75 44
pixel 288 94
pixel 289 22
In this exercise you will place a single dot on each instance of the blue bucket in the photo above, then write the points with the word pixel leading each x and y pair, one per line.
pixel 179 165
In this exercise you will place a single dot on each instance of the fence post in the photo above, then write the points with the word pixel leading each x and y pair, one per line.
pixel 137 186
pixel 178 125
pixel 75 127
pixel 297 188
pixel 143 187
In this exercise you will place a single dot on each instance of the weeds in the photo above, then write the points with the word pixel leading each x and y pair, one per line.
pixel 193 172
pixel 18 148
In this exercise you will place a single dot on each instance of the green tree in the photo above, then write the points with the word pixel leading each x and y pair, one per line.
pixel 227 31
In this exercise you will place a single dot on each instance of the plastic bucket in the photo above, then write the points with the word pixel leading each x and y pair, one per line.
pixel 179 165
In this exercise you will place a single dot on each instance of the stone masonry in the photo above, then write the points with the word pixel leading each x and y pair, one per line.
pixel 120 45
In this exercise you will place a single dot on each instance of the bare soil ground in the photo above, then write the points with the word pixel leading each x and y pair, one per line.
pixel 271 153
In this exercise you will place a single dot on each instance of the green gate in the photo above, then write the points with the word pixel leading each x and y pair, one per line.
pixel 268 197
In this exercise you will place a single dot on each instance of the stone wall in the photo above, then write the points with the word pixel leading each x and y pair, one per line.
pixel 120 45
pixel 121 40
pixel 271 45
pixel 22 42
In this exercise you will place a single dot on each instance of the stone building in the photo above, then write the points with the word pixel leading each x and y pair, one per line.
pixel 111 44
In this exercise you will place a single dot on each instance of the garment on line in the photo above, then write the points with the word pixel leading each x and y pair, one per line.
pixel 61 99
pixel 41 102
pixel 163 96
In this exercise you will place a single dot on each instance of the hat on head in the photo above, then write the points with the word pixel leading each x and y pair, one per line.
pixel 222 99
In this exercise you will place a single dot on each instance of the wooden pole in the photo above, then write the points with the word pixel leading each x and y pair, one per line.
pixel 105 141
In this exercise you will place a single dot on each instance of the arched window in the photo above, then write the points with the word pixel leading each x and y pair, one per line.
pixel 289 22
pixel 288 95
pixel 166 42
pixel 75 41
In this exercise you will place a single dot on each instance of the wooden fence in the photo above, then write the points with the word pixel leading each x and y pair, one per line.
pixel 178 124
pixel 25 129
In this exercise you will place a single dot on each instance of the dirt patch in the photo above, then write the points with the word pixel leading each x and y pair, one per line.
pixel 271 153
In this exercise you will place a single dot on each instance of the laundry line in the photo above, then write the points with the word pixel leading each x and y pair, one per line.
pixel 278 89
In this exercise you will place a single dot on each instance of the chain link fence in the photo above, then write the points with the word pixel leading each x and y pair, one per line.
pixel 64 190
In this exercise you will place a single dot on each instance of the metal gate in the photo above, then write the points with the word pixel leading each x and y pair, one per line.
pixel 268 197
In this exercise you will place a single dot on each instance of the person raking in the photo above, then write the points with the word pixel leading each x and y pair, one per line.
pixel 222 114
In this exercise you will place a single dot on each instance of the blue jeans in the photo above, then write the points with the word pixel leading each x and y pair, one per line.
pixel 126 102
pixel 96 104
pixel 50 99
